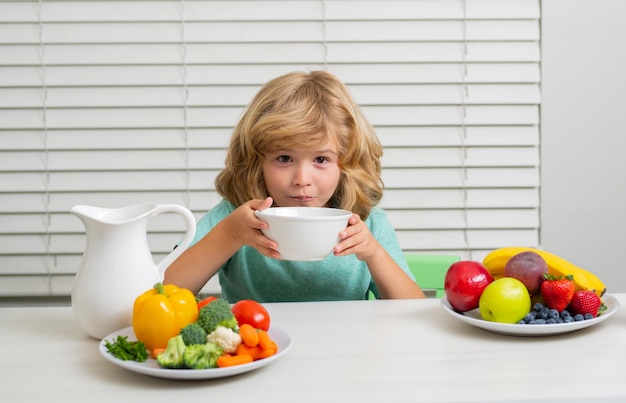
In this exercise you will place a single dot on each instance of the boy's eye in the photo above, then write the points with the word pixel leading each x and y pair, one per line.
pixel 283 158
pixel 320 160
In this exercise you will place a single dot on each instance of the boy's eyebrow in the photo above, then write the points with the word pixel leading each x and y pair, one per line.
pixel 326 150
pixel 288 150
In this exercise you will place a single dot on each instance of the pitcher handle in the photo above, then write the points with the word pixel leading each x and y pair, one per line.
pixel 190 223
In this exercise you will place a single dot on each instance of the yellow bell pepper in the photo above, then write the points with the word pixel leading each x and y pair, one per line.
pixel 160 313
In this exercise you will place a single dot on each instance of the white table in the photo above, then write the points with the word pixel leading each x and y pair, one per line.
pixel 365 351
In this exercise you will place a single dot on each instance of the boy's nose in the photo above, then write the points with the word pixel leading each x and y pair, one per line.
pixel 302 177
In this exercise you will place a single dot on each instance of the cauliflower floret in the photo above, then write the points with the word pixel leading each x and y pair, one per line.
pixel 226 338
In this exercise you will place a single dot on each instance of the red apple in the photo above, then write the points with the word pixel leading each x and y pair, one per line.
pixel 464 283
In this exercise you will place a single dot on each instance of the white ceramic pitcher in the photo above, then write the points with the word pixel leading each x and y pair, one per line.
pixel 117 265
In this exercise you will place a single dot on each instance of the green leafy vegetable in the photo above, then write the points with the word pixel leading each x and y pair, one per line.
pixel 127 350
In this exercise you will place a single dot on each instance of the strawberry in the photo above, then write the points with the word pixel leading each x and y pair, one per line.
pixel 557 292
pixel 584 302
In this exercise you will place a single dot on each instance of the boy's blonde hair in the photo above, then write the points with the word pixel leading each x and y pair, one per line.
pixel 304 110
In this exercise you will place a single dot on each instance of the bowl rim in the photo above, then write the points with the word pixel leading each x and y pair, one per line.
pixel 341 214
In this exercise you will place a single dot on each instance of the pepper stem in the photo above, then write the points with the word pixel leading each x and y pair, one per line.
pixel 159 287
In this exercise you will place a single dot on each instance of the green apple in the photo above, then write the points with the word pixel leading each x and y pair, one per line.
pixel 505 300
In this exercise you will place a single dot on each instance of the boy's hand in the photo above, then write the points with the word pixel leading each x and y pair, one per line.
pixel 246 227
pixel 357 239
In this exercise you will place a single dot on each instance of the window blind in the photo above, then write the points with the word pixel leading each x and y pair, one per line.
pixel 112 103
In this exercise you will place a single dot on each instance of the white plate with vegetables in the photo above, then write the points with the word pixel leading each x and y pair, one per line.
pixel 473 318
pixel 151 368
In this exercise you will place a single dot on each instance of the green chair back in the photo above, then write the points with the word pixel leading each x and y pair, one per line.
pixel 430 270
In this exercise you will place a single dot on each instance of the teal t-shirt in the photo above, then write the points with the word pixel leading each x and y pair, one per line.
pixel 250 275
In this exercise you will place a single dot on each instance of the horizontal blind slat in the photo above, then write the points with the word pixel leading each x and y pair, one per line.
pixel 455 219
pixel 59 285
pixel 456 177
pixel 431 240
pixel 457 157
pixel 199 74
pixel 111 139
pixel 170 117
pixel 138 11
pixel 447 115
pixel 433 136
pixel 168 160
pixel 432 9
pixel 433 199
pixel 102 181
pixel 199 201
pixel 258 53
pixel 94 11
pixel 164 96
pixel 433 52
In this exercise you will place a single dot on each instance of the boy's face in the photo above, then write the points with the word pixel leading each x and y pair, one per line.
pixel 302 177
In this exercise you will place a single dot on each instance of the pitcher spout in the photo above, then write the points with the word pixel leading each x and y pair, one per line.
pixel 85 212
pixel 113 216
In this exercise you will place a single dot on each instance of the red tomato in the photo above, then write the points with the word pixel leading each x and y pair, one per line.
pixel 205 301
pixel 252 313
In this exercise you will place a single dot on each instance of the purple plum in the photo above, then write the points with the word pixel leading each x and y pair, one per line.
pixel 529 268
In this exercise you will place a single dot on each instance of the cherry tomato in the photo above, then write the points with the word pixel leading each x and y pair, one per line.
pixel 252 313
pixel 205 301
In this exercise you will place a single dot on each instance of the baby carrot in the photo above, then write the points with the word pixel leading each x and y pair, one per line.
pixel 249 335
pixel 265 341
pixel 229 360
pixel 260 353
pixel 156 351
pixel 256 352
pixel 243 349
pixel 251 351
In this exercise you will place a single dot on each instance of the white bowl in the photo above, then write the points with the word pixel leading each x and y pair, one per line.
pixel 304 233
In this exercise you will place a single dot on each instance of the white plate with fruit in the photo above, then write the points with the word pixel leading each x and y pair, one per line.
pixel 501 293
pixel 473 318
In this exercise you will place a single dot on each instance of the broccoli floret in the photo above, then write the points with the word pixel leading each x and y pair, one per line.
pixel 193 333
pixel 217 313
pixel 172 357
pixel 202 356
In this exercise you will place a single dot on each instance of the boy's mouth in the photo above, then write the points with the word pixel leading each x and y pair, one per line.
pixel 302 199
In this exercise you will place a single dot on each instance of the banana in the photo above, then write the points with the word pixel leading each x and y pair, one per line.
pixel 496 260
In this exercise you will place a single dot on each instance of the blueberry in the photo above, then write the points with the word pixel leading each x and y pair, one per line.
pixel 578 317
pixel 568 319
pixel 543 315
pixel 565 314
pixel 540 321
pixel 528 317
pixel 553 313
pixel 551 321
pixel 588 316
pixel 538 306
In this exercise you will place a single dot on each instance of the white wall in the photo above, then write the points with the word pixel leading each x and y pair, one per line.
pixel 583 133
